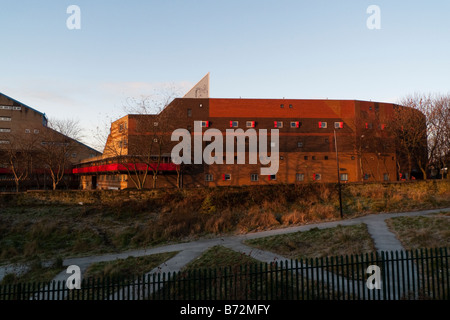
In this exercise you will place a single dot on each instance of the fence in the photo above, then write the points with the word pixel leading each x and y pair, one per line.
pixel 418 274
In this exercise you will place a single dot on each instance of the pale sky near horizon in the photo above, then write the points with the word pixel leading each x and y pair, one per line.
pixel 252 48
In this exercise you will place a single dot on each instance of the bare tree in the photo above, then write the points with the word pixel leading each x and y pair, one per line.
pixel 57 146
pixel 18 155
pixel 427 130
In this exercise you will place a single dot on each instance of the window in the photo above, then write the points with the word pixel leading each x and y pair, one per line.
pixel 121 127
pixel 155 140
pixel 344 176
pixel 300 177
pixel 305 157
pixel 322 125
pixel 4 142
pixel 278 124
pixel 209 177
pixel 326 157
pixel 386 177
pixel 205 124
pixel 338 125
pixel 27 131
pixel 272 177
pixel 5 118
pixel 155 124
pixel 254 177
pixel 5 107
pixel 366 176
pixel 281 105
pixel 368 125
pixel 327 140
pixel 234 124
pixel 17 108
pixel 189 112
pixel 353 157
pixel 250 124
pixel 295 124
pixel 5 130
pixel 226 177
pixel 281 158
pixel 74 155
pixel 36 131
pixel 300 144
pixel 290 106
pixel 313 157
pixel 317 176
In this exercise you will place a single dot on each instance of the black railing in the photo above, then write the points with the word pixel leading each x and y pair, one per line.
pixel 411 275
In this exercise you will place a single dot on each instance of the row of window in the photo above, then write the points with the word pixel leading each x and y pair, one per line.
pixel 276 124
pixel 7 130
pixel 10 108
pixel 254 177
pixel 4 118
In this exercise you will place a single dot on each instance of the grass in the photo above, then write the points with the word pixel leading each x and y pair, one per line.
pixel 316 243
pixel 129 267
pixel 36 273
pixel 48 224
pixel 220 257
pixel 422 232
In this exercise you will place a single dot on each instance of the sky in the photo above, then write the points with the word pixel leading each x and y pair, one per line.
pixel 292 49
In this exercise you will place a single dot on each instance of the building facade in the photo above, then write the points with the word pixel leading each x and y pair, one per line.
pixel 138 151
pixel 29 148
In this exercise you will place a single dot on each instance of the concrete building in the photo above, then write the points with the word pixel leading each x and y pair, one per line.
pixel 24 139
pixel 309 131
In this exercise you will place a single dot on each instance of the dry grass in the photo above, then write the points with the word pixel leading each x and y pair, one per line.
pixel 114 222
pixel 317 243
pixel 421 232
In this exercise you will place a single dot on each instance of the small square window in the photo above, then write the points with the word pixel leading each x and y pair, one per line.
pixel 386 177
pixel 322 125
pixel 226 177
pixel 338 125
pixel 27 131
pixel 273 177
pixel 317 176
pixel 189 112
pixel 281 105
pixel 299 177
pixel 290 106
pixel 74 155
pixel 155 124
pixel 250 124
pixel 295 124
pixel 254 177
pixel 369 125
pixel 300 144
pixel 313 157
pixel 353 157
pixel 326 157
pixel 344 176
pixel 234 124
pixel 278 124
pixel 205 124
pixel 36 131
pixel 209 177
pixel 305 157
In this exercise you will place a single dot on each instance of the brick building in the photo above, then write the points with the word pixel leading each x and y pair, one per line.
pixel 139 144
pixel 24 139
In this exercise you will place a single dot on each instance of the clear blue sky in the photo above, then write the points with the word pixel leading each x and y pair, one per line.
pixel 253 49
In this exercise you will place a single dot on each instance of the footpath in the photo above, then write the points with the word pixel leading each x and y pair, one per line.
pixel 384 240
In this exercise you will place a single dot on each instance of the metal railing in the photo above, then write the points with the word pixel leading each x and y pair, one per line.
pixel 411 275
